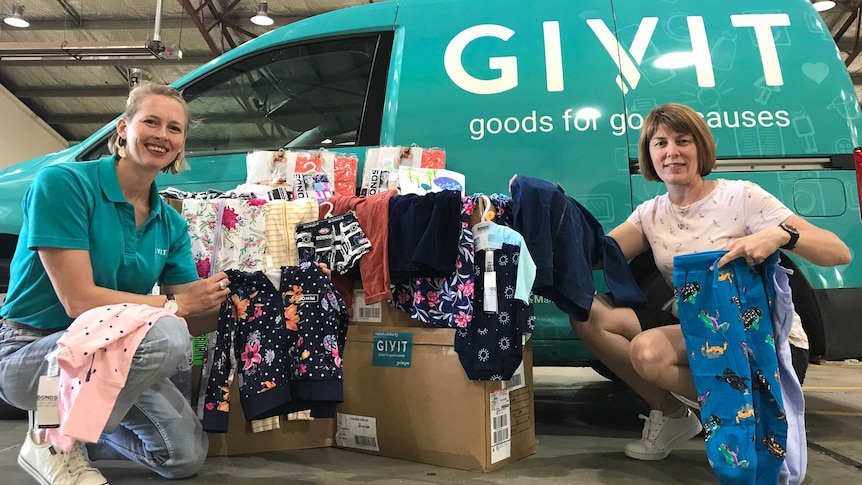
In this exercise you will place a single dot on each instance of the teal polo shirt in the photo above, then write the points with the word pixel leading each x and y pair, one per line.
pixel 79 205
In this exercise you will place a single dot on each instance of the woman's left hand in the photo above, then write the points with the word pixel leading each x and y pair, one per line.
pixel 754 248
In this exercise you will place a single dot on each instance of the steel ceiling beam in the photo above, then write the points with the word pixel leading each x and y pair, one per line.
pixel 70 11
pixel 220 20
pixel 72 92
pixel 141 24
pixel 112 61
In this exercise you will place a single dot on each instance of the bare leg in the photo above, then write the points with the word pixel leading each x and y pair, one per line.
pixel 608 334
pixel 658 356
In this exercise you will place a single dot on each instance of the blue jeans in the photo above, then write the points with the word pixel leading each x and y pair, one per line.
pixel 151 423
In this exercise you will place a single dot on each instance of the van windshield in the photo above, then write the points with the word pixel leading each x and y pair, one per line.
pixel 309 95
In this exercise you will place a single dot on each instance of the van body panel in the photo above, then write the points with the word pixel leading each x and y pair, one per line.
pixel 768 80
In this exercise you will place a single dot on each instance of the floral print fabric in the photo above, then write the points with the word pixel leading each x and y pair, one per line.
pixel 287 343
pixel 229 230
pixel 444 302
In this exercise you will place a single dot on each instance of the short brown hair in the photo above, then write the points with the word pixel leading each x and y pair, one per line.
pixel 681 119
pixel 133 103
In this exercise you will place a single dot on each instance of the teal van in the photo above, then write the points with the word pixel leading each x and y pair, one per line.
pixel 555 89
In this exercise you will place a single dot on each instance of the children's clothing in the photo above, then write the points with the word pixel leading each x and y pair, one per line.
pixel 725 314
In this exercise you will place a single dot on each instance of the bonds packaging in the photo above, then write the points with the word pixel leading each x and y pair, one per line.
pixel 406 396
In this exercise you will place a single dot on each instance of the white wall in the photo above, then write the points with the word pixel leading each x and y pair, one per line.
pixel 23 135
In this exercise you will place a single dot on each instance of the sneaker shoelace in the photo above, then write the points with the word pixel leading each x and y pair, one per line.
pixel 75 461
pixel 651 429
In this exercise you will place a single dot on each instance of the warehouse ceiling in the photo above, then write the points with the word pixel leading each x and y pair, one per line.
pixel 78 96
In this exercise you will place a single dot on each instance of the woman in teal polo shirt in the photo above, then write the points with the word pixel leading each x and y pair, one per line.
pixel 97 233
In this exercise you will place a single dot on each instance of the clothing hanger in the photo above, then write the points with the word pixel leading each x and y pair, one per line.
pixel 331 208
pixel 481 229
pixel 272 273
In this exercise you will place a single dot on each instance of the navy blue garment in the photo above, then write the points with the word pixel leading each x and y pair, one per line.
pixel 286 342
pixel 251 328
pixel 423 235
pixel 567 242
pixel 726 320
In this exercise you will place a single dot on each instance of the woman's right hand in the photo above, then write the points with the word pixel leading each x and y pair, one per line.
pixel 204 294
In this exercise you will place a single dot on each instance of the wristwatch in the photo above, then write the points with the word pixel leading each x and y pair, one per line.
pixel 171 304
pixel 794 235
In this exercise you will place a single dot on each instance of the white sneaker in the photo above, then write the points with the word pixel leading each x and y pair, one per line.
pixel 662 434
pixel 52 467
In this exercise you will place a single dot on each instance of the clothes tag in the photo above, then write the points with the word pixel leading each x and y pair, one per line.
pixel 490 280
pixel 489 261
pixel 47 409
pixel 53 366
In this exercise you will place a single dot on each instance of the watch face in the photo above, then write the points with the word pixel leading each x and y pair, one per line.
pixel 171 306
pixel 790 228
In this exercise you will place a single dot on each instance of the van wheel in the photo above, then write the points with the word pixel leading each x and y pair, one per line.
pixel 7 249
pixel 602 370
pixel 808 309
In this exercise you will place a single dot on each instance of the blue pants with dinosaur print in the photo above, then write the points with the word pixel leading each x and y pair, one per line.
pixel 726 319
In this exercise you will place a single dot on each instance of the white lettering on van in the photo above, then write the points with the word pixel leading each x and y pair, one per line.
pixel 627 60
pixel 700 52
pixel 553 57
pixel 508 66
pixel 762 25
pixel 629 69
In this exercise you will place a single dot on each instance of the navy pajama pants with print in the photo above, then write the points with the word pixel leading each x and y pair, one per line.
pixel 726 319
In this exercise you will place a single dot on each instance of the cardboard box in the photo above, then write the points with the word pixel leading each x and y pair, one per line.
pixel 293 435
pixel 380 314
pixel 417 403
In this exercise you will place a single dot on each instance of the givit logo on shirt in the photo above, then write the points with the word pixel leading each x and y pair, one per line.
pixel 627 59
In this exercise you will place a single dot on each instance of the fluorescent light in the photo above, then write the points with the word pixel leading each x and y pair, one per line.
pixel 262 18
pixel 823 5
pixel 17 18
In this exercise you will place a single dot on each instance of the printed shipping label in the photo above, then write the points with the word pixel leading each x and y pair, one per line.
pixel 501 436
pixel 392 349
pixel 356 432
pixel 365 313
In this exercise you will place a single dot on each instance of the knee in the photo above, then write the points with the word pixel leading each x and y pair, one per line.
pixel 169 343
pixel 644 357
pixel 183 463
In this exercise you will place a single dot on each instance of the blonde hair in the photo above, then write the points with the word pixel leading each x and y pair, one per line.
pixel 681 119
pixel 133 103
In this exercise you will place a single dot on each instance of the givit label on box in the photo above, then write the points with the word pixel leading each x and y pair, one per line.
pixel 356 432
pixel 501 435
pixel 365 313
pixel 392 349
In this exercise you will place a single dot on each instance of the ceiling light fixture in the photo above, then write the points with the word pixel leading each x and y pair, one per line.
pixel 17 17
pixel 823 5
pixel 261 18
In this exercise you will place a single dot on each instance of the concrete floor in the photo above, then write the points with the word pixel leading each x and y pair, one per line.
pixel 582 424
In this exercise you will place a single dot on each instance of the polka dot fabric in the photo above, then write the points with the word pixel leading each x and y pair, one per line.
pixel 286 343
